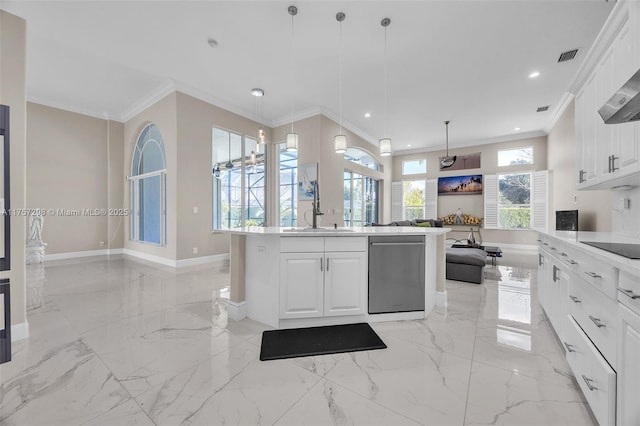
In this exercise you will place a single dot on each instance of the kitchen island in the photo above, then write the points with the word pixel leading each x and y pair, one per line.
pixel 297 277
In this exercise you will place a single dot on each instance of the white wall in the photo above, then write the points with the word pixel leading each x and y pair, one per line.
pixel 626 221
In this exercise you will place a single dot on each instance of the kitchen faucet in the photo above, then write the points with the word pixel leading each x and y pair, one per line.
pixel 316 204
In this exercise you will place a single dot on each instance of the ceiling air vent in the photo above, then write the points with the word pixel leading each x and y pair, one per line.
pixel 543 108
pixel 568 55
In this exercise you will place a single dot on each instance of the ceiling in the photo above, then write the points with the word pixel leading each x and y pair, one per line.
pixel 464 61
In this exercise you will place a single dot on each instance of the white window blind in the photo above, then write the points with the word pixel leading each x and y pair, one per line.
pixel 431 199
pixel 396 201
pixel 490 201
pixel 539 194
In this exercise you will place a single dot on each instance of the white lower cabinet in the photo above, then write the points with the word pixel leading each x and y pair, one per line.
pixel 628 367
pixel 596 378
pixel 323 283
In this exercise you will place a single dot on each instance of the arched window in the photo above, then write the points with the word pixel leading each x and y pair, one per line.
pixel 148 188
pixel 362 157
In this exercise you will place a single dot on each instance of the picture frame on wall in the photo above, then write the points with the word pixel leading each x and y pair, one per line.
pixel 460 185
pixel 307 179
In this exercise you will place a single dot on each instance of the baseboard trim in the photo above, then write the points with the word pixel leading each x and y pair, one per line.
pixel 20 331
pixel 202 260
pixel 78 254
pixel 150 257
pixel 236 310
pixel 441 299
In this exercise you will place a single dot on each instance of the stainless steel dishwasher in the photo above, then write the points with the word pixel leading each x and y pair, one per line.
pixel 396 273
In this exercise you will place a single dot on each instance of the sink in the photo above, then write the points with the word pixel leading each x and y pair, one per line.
pixel 317 230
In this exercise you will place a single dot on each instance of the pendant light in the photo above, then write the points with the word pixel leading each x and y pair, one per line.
pixel 447 161
pixel 292 138
pixel 258 93
pixel 385 143
pixel 340 140
pixel 229 164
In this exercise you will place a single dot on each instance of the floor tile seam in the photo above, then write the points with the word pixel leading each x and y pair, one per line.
pixel 317 383
pixel 473 352
pixel 569 378
pixel 113 374
pixel 439 350
pixel 378 403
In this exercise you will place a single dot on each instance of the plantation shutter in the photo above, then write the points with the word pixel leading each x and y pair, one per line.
pixel 490 201
pixel 539 194
pixel 396 201
pixel 431 199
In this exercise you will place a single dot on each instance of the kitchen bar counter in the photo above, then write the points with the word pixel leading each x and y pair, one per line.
pixel 295 277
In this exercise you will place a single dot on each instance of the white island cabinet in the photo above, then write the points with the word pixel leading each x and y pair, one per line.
pixel 299 277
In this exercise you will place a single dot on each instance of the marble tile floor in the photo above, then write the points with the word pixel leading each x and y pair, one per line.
pixel 118 342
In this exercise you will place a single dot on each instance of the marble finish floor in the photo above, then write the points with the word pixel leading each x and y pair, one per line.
pixel 117 342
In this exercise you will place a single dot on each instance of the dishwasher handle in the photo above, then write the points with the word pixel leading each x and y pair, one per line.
pixel 397 244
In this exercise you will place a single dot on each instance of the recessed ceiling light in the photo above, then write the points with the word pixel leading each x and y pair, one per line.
pixel 367 115
pixel 212 43
pixel 534 74
pixel 408 145
pixel 516 129
pixel 257 92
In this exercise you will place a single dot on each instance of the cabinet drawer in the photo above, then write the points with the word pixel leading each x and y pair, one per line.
pixel 345 244
pixel 629 290
pixel 599 274
pixel 596 378
pixel 597 316
pixel 301 244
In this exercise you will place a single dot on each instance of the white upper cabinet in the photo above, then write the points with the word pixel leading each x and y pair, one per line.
pixel 608 155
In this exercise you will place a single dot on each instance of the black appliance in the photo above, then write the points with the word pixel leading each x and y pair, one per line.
pixel 630 251
pixel 566 220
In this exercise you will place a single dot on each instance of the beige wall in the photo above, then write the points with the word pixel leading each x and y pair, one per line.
pixel 316 146
pixel 196 120
pixel 67 168
pixel 13 45
pixel 164 114
pixel 474 204
pixel 594 207
pixel 116 184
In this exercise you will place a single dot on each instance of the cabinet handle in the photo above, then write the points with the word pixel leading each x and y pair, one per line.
pixel 629 293
pixel 597 322
pixel 539 240
pixel 581 176
pixel 563 254
pixel 540 260
pixel 569 347
pixel 553 248
pixel 588 382
pixel 327 263
pixel 613 163
pixel 321 259
pixel 573 262
pixel 609 171
pixel 545 244
pixel 555 273
pixel 593 275
pixel 574 299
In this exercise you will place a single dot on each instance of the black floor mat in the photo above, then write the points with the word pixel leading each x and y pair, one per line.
pixel 297 342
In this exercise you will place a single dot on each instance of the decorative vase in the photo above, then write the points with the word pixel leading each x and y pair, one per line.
pixel 471 238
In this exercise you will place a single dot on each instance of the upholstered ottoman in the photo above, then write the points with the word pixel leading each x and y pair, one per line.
pixel 466 264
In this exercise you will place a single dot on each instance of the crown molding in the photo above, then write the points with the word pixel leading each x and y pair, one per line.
pixel 345 124
pixel 565 101
pixel 81 111
pixel 147 100
pixel 617 18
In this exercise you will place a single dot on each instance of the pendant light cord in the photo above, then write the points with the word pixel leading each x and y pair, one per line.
pixel 340 82
pixel 385 81
pixel 292 70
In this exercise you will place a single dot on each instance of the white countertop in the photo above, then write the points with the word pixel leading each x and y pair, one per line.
pixel 331 232
pixel 573 238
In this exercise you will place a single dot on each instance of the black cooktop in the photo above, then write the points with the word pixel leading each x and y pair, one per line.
pixel 631 251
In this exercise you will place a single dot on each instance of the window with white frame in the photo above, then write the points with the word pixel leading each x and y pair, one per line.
pixel 149 188
pixel 413 199
pixel 361 198
pixel 516 200
pixel 414 167
pixel 515 157
pixel 238 181
pixel 288 186
pixel 362 157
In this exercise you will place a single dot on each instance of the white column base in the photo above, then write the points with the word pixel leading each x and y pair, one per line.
pixel 236 311
pixel 441 298
pixel 20 331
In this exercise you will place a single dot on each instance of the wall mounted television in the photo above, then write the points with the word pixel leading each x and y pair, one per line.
pixel 566 220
